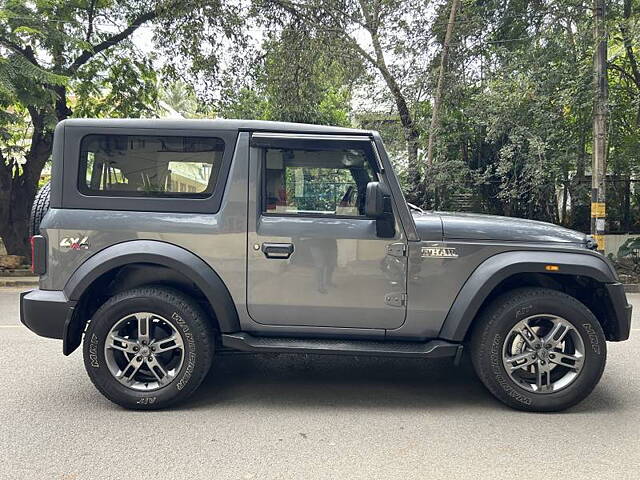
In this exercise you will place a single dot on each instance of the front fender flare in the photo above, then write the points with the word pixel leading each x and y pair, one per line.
pixel 497 268
pixel 164 254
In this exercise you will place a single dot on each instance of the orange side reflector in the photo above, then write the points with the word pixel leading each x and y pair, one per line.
pixel 552 268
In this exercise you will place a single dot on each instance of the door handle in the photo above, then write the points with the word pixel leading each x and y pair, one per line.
pixel 277 250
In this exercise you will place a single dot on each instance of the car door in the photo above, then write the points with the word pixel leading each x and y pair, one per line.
pixel 314 258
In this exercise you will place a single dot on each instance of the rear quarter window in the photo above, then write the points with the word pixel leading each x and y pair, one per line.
pixel 151 166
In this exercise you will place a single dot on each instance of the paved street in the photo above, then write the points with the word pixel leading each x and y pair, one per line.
pixel 321 417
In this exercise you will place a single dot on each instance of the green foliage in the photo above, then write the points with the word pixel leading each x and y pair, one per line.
pixel 62 58
pixel 180 97
pixel 297 79
pixel 124 87
pixel 515 128
pixel 517 112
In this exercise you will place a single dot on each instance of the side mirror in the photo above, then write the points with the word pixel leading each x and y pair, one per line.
pixel 378 205
pixel 378 201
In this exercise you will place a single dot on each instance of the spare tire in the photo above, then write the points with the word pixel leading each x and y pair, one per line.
pixel 39 209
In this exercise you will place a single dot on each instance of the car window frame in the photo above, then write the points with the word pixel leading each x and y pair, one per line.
pixel 86 190
pixel 72 198
pixel 309 142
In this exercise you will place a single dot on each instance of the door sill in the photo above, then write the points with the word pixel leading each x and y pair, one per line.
pixel 246 342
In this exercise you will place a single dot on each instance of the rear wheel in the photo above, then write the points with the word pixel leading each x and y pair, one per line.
pixel 148 347
pixel 539 350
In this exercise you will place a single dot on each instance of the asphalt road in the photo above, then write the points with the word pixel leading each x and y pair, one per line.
pixel 320 417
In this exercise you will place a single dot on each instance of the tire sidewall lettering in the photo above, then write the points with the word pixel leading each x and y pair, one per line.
pixel 498 371
pixel 593 338
pixel 191 348
pixel 93 351
pixel 524 311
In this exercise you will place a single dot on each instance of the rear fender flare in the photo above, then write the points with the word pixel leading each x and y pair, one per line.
pixel 164 254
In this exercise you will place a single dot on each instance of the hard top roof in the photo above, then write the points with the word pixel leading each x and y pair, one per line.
pixel 215 124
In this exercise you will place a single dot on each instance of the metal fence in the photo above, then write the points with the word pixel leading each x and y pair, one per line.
pixel 623 204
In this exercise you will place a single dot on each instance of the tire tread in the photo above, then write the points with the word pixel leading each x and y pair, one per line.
pixel 40 207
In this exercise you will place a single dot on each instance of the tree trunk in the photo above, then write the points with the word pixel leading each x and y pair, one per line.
pixel 17 189
pixel 437 98
pixel 14 216
pixel 411 132
pixel 565 196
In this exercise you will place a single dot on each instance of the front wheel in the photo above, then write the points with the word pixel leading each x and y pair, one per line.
pixel 539 350
pixel 148 348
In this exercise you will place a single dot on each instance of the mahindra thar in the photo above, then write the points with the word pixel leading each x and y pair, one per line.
pixel 161 242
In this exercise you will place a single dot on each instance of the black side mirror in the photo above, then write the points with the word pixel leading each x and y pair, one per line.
pixel 378 205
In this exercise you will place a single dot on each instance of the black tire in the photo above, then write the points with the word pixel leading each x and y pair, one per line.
pixel 183 314
pixel 39 209
pixel 502 315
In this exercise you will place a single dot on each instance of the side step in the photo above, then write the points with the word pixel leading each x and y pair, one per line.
pixel 249 343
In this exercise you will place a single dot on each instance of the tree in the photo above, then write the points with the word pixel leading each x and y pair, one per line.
pixel 52 48
pixel 295 77
pixel 518 104
pixel 437 98
pixel 379 33
pixel 180 97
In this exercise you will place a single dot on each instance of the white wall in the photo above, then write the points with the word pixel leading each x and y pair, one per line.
pixel 612 242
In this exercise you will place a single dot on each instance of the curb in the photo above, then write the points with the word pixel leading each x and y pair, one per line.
pixel 632 287
pixel 18 282
pixel 20 272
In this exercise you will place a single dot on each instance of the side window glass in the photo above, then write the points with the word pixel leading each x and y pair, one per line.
pixel 316 182
pixel 149 166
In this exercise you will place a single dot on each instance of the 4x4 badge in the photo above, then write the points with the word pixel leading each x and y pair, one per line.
pixel 439 252
pixel 75 243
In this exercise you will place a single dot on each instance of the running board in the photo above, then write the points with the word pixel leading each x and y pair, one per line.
pixel 246 342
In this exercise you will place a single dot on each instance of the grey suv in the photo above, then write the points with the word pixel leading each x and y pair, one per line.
pixel 161 242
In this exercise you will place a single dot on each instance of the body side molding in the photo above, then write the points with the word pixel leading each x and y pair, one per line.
pixel 503 265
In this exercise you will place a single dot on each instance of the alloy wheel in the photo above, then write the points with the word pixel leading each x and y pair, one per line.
pixel 144 351
pixel 543 353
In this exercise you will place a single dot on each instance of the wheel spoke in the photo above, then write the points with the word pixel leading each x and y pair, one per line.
pixel 557 334
pixel 131 369
pixel 120 343
pixel 543 379
pixel 566 360
pixel 521 360
pixel 158 370
pixel 144 323
pixel 529 335
pixel 166 344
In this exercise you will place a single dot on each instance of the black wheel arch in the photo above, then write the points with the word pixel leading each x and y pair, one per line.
pixel 143 262
pixel 585 276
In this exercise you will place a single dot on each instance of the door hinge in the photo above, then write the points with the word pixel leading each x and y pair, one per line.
pixel 397 249
pixel 396 299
